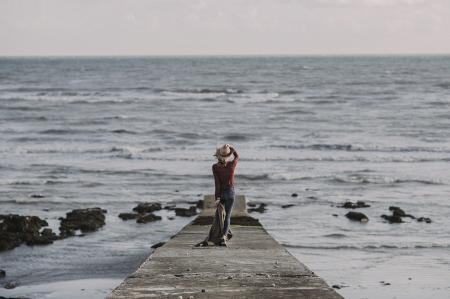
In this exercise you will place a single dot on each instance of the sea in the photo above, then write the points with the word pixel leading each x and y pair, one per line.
pixel 110 132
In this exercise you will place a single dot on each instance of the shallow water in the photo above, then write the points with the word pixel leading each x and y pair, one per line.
pixel 111 132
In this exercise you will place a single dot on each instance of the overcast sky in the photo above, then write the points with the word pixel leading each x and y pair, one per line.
pixel 197 27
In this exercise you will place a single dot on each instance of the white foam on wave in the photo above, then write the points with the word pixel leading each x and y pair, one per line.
pixel 191 95
pixel 368 247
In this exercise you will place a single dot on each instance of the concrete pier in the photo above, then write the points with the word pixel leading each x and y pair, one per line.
pixel 253 265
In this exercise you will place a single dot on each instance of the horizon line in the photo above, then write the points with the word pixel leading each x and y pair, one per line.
pixel 221 55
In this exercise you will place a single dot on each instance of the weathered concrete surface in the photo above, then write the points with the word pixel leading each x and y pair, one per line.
pixel 253 265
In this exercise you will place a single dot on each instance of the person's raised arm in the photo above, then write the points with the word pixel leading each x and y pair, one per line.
pixel 236 156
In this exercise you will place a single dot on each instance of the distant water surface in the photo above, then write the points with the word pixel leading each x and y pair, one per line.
pixel 111 132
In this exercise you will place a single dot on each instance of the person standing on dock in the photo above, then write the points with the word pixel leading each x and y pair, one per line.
pixel 223 172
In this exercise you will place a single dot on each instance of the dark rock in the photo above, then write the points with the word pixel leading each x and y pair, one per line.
pixel 200 204
pixel 424 219
pixel 260 209
pixel 397 211
pixel 48 233
pixel 351 205
pixel 362 204
pixel 16 229
pixel 348 205
pixel 357 216
pixel 170 207
pixel 148 218
pixel 37 195
pixel 128 216
pixel 66 233
pixel 197 203
pixel 11 284
pixel 9 240
pixel 86 220
pixel 186 212
pixel 251 204
pixel 335 215
pixel 2 273
pixel 294 194
pixel 335 286
pixel 287 206
pixel 157 245
pixel 397 215
pixel 171 218
pixel 38 240
pixel 392 219
pixel 47 236
pixel 147 207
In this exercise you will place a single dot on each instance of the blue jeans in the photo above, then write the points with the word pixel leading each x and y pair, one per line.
pixel 227 200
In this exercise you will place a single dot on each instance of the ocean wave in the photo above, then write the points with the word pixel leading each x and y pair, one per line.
pixel 192 135
pixel 439 103
pixel 65 131
pixel 368 247
pixel 252 177
pixel 236 137
pixel 352 159
pixel 98 101
pixel 73 182
pixel 36 89
pixel 323 97
pixel 20 183
pixel 363 179
pixel 191 96
pixel 201 91
pixel 339 147
pixel 57 201
pixel 298 111
pixel 335 236
pixel 114 149
pixel 288 92
pixel 22 108
pixel 123 131
pixel 349 179
pixel 360 148
pixel 443 85
pixel 54 182
pixel 117 117
pixel 25 118
pixel 275 177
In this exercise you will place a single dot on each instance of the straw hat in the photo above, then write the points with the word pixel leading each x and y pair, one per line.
pixel 223 152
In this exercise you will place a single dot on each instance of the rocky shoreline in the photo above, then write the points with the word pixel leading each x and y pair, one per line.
pixel 16 230
pixel 396 217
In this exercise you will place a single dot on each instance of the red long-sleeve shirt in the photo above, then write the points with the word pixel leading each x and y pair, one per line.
pixel 224 174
